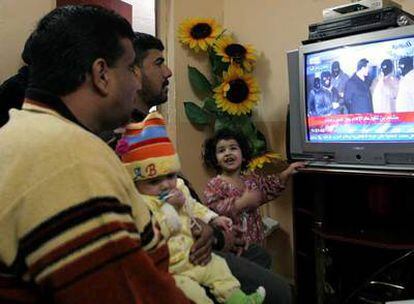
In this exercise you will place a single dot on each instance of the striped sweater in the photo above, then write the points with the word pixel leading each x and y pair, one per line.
pixel 70 219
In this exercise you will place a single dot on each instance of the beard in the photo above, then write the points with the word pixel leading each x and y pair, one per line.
pixel 150 95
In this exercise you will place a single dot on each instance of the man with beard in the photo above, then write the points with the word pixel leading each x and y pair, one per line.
pixel 155 80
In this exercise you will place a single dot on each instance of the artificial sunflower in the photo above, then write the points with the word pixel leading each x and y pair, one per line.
pixel 259 161
pixel 199 33
pixel 238 93
pixel 232 52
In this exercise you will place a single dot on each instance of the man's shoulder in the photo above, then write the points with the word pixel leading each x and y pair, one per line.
pixel 40 128
pixel 353 81
pixel 50 140
pixel 343 76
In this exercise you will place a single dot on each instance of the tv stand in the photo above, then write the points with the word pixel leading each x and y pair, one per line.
pixel 353 235
pixel 389 169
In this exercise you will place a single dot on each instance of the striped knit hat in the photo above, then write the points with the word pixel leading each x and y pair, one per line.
pixel 146 150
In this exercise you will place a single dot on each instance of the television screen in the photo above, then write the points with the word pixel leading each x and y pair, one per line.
pixel 361 93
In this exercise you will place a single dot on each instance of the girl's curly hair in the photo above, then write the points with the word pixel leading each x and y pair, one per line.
pixel 209 148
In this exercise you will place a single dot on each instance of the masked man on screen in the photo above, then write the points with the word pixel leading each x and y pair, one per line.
pixel 405 96
pixel 384 89
pixel 333 93
pixel 339 80
pixel 319 101
pixel 357 95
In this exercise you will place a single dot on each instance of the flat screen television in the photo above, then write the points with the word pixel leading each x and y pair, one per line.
pixel 352 101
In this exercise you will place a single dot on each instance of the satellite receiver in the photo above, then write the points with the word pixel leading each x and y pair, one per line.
pixel 356 7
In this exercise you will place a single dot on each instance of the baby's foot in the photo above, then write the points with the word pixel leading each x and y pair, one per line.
pixel 257 297
pixel 239 297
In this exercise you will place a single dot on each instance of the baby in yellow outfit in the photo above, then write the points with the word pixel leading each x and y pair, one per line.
pixel 150 158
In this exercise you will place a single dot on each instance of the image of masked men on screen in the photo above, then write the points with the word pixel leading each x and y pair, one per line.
pixel 405 96
pixel 339 80
pixel 319 101
pixel 384 89
pixel 357 94
pixel 332 92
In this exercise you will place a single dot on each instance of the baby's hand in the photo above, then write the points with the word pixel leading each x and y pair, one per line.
pixel 175 198
pixel 223 222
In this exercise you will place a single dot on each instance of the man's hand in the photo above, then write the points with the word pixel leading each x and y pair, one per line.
pixel 200 253
pixel 239 244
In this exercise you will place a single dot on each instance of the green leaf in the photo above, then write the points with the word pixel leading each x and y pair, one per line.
pixel 222 122
pixel 199 82
pixel 258 146
pixel 217 67
pixel 196 114
pixel 245 125
pixel 261 137
pixel 210 105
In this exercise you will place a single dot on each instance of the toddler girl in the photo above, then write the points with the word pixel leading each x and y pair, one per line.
pixel 239 195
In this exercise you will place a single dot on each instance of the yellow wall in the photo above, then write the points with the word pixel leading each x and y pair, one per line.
pixel 272 26
pixel 17 20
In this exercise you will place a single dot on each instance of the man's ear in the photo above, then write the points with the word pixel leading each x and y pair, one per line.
pixel 100 76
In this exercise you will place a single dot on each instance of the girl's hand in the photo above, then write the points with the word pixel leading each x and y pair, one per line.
pixel 252 198
pixel 175 198
pixel 223 222
pixel 285 175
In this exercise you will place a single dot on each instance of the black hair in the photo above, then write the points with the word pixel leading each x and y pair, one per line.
pixel 27 51
pixel 362 63
pixel 13 89
pixel 209 148
pixel 387 66
pixel 143 43
pixel 407 62
pixel 12 93
pixel 68 40
pixel 325 74
pixel 335 65
pixel 317 83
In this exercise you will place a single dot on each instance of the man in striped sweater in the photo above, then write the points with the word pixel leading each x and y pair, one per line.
pixel 73 228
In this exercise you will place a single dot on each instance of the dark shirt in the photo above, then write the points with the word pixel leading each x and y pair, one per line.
pixel 357 96
pixel 320 102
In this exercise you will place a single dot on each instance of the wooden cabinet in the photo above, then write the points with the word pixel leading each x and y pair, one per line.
pixel 353 236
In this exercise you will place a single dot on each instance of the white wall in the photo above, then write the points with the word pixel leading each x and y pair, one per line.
pixel 143 15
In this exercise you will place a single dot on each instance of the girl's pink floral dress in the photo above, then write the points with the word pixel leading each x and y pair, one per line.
pixel 219 196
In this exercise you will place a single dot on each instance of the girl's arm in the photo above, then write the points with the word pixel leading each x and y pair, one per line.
pixel 286 174
pixel 272 185
pixel 249 200
pixel 216 199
